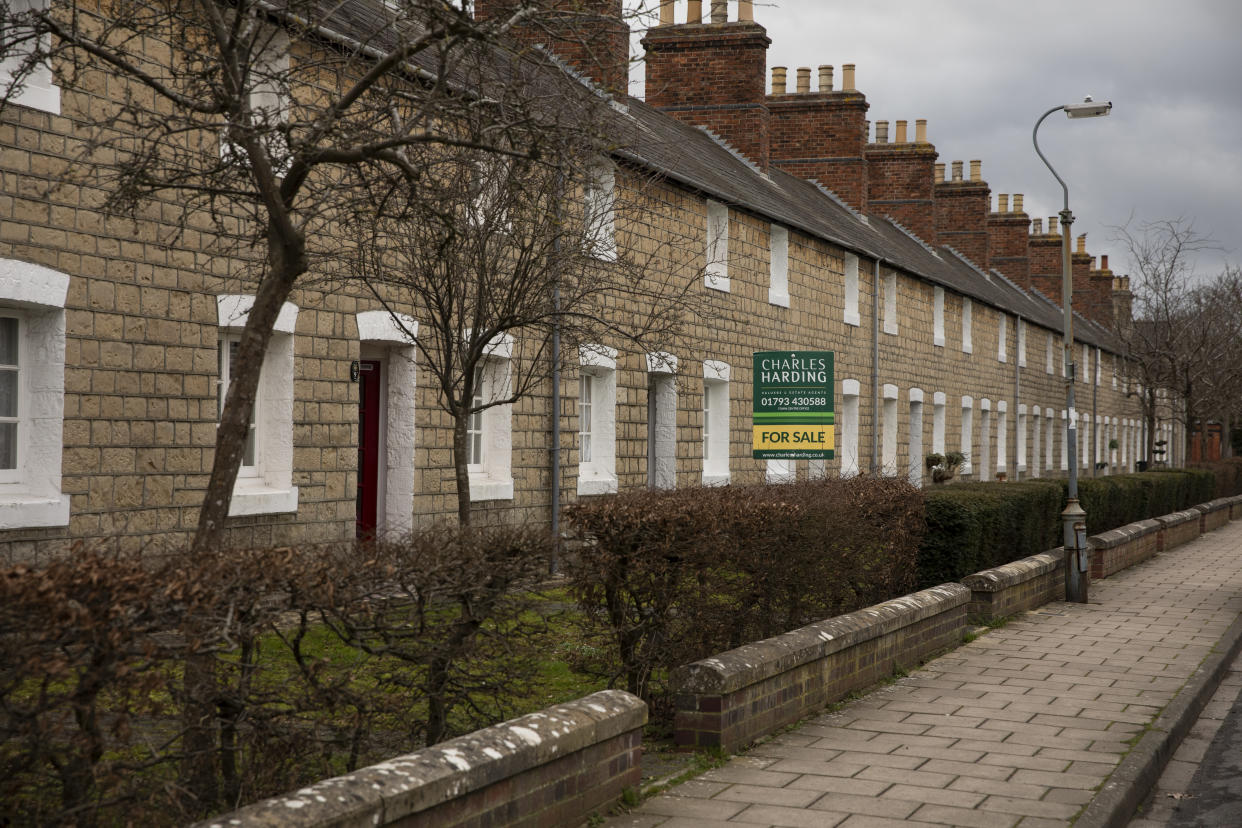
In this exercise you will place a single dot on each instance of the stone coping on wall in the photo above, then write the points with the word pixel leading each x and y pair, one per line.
pixel 1015 573
pixel 414 784
pixel 1016 586
pixel 753 663
pixel 1125 534
pixel 1178 518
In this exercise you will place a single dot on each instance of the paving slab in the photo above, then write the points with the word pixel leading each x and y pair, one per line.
pixel 1064 715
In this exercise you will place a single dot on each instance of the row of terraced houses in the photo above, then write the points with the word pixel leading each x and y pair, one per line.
pixel 813 229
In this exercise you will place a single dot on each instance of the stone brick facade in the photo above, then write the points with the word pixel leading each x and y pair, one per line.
pixel 142 326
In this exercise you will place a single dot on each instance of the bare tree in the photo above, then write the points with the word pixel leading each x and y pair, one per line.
pixel 520 259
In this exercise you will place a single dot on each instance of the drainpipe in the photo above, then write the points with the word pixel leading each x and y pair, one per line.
pixel 1095 416
pixel 1017 399
pixel 555 453
pixel 875 369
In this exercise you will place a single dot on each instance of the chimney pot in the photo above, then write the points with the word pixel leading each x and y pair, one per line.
pixel 1052 226
pixel 825 78
pixel 778 80
pixel 1017 202
pixel 847 77
pixel 920 130
pixel 957 170
pixel 804 80
pixel 720 11
pixel 746 10
pixel 666 12
pixel 1037 227
pixel 1082 243
pixel 881 132
pixel 939 174
pixel 1002 202
pixel 1104 262
pixel 976 171
pixel 694 11
pixel 901 132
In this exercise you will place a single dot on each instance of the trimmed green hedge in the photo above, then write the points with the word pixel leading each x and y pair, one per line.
pixel 1228 473
pixel 975 526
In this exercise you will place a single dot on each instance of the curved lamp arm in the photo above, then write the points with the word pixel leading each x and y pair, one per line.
pixel 1039 152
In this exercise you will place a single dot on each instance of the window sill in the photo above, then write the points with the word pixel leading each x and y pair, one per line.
pixel 852 318
pixel 596 484
pixel 254 498
pixel 484 487
pixel 890 329
pixel 781 300
pixel 716 478
pixel 20 510
pixel 938 341
pixel 720 283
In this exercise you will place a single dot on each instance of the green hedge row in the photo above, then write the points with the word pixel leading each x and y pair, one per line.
pixel 1228 474
pixel 975 526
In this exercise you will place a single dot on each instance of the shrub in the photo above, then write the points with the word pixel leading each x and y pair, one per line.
pixel 669 577
pixel 1228 475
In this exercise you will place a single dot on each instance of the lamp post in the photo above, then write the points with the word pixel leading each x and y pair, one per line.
pixel 1073 519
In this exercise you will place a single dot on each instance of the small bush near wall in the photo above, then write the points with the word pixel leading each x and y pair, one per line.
pixel 310 663
pixel 669 577
pixel 976 526
pixel 1228 474
pixel 1116 500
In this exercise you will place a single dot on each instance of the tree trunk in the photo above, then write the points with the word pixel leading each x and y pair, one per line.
pixel 460 465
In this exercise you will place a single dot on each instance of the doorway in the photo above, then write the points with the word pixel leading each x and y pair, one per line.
pixel 367 503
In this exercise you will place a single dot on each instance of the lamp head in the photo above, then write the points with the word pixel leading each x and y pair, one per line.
pixel 1087 109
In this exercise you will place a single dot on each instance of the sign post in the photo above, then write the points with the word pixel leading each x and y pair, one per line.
pixel 793 401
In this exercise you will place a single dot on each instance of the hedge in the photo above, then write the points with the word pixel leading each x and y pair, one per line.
pixel 1228 474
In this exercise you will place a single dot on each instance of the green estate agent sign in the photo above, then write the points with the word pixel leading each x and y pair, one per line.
pixel 793 417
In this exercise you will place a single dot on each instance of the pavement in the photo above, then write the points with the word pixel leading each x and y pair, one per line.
pixel 1065 715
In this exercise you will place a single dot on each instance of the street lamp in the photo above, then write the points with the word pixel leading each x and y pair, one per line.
pixel 1073 519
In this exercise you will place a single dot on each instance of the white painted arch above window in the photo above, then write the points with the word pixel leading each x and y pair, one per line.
pixel 661 362
pixel 383 326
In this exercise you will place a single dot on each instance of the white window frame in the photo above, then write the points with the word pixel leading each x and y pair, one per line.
pixel 888 434
pixel 1002 334
pixel 491 478
pixel 852 316
pixel 1002 437
pixel 1049 359
pixel 601 211
pixel 661 420
pixel 1020 448
pixel 1021 342
pixel 938 422
pixel 268 100
pixel 985 439
pixel 716 268
pixel 598 475
pixel 1050 440
pixel 968 346
pixel 778 266
pixel 967 437
pixel 269 489
pixel 1099 366
pixel 890 303
pixel 1064 441
pixel 230 337
pixel 30 494
pixel 715 423
pixel 1085 373
pixel 39 89
pixel 938 316
pixel 849 428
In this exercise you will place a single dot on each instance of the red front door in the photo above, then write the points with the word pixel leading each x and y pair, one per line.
pixel 368 446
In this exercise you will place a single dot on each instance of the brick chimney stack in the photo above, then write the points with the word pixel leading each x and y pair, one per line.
pixel 821 135
pixel 900 179
pixel 1044 250
pixel 1008 236
pixel 1123 303
pixel 712 74
pixel 1081 263
pixel 961 210
pixel 590 35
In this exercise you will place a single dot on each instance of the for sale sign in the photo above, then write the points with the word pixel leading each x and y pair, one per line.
pixel 793 416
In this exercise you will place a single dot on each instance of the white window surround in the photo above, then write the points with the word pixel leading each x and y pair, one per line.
pixel 890 303
pixel 1050 438
pixel 938 316
pixel 599 475
pixel 888 434
pixel 914 455
pixel 851 290
pixel 849 427
pixel 1002 436
pixel 34 497
pixel 1099 366
pixel 493 477
pixel 1084 368
pixel 968 416
pixel 39 89
pixel 1020 449
pixel 715 423
pixel 967 320
pixel 1021 343
pixel 985 439
pixel 661 420
pixel 716 269
pixel 1065 434
pixel 271 491
pixel 397 331
pixel 938 403
pixel 1049 361
pixel 1001 337
pixel 600 208
pixel 778 266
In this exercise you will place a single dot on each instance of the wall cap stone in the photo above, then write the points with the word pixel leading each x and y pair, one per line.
pixel 406 785
pixel 1017 572
pixel 1125 534
pixel 752 663
pixel 1216 505
pixel 1178 518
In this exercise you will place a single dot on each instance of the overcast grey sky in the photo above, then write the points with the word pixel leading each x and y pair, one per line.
pixel 983 71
